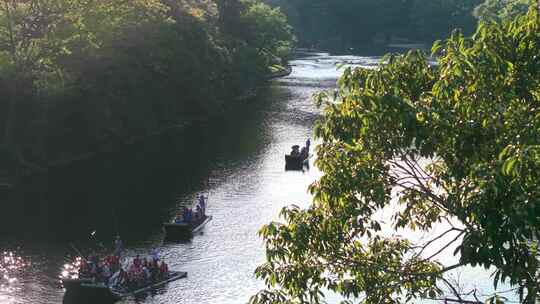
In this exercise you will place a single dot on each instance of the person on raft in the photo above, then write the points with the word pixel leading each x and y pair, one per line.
pixel 295 150
pixel 187 214
pixel 118 246
pixel 179 217
pixel 202 203
pixel 304 152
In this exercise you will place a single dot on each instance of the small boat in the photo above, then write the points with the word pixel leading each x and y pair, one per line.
pixel 74 284
pixel 185 230
pixel 295 162
pixel 87 287
pixel 297 158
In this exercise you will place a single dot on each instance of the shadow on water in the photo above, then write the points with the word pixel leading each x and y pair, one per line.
pixel 134 190
pixel 74 298
pixel 238 157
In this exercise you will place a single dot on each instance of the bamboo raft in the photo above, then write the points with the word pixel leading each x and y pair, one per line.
pixel 88 287
pixel 296 162
pixel 176 231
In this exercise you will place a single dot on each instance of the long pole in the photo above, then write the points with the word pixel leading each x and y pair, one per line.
pixel 207 198
pixel 210 187
pixel 76 250
pixel 115 219
pixel 98 243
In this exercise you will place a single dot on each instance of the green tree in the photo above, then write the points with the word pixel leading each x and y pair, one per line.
pixel 501 9
pixel 18 50
pixel 80 74
pixel 432 20
pixel 456 143
pixel 267 30
pixel 25 45
pixel 229 12
pixel 340 24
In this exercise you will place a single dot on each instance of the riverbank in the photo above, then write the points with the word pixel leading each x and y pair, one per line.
pixel 277 71
pixel 236 159
pixel 149 68
pixel 115 144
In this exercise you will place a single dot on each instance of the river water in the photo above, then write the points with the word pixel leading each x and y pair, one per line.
pixel 236 160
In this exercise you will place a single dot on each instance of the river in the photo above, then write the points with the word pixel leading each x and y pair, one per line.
pixel 236 160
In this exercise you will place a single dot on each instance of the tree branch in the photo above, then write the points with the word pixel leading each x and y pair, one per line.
pixel 454 290
pixel 446 246
pixel 438 238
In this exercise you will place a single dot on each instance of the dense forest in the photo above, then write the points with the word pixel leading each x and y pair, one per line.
pixel 344 24
pixel 77 76
pixel 356 24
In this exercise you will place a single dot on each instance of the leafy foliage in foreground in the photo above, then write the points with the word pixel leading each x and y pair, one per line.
pixel 455 144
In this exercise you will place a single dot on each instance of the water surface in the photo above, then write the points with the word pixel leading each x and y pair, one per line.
pixel 236 160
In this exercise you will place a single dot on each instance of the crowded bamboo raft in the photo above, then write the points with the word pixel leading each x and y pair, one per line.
pixel 108 277
pixel 114 276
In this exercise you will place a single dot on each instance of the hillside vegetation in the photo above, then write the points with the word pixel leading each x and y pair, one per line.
pixel 344 24
pixel 76 74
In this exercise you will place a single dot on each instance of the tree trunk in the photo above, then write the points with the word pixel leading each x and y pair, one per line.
pixel 10 119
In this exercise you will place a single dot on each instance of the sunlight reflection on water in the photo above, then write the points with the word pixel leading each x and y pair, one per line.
pixel 249 187
pixel 71 270
pixel 11 265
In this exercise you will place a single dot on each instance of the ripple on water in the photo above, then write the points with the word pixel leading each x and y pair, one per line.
pixel 11 268
pixel 249 187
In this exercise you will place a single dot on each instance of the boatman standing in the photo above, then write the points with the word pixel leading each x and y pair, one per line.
pixel 118 246
pixel 154 253
pixel 202 203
